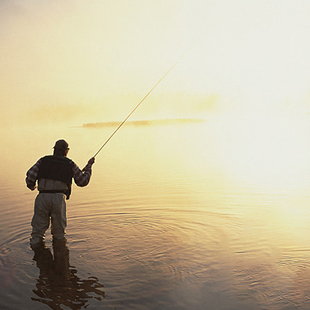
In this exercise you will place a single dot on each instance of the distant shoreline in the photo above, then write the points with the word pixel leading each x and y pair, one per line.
pixel 145 122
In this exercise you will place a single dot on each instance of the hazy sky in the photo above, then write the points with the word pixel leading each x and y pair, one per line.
pixel 94 60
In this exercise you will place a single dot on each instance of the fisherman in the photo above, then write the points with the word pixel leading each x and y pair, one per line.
pixel 54 174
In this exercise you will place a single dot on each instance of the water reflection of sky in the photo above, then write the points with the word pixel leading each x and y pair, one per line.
pixel 169 221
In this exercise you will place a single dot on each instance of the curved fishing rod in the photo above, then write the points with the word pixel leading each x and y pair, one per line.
pixel 136 107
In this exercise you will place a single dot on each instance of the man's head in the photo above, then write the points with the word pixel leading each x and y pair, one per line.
pixel 61 148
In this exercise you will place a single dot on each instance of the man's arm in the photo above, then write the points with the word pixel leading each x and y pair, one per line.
pixel 32 175
pixel 82 177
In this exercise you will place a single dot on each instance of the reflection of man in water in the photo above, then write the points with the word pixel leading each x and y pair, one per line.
pixel 58 284
pixel 54 174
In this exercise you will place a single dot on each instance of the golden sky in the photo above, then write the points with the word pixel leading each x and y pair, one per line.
pixel 96 59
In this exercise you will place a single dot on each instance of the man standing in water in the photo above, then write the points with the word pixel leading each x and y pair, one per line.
pixel 54 174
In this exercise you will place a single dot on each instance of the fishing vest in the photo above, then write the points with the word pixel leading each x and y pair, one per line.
pixel 58 168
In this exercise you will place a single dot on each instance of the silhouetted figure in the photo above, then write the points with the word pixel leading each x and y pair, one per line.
pixel 54 174
pixel 58 283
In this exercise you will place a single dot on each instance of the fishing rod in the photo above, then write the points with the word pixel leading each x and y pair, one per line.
pixel 136 107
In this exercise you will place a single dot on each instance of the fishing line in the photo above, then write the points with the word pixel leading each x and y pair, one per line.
pixel 136 107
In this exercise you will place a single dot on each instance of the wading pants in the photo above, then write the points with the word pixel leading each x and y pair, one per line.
pixel 48 207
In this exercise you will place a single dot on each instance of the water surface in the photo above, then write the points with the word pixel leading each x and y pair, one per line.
pixel 180 216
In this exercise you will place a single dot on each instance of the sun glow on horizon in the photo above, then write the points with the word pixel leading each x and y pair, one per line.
pixel 268 151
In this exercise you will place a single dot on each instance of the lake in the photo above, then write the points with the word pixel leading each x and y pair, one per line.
pixel 211 215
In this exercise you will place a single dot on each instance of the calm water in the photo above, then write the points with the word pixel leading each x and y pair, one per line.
pixel 188 216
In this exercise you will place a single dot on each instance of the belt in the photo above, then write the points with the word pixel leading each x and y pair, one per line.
pixel 51 191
